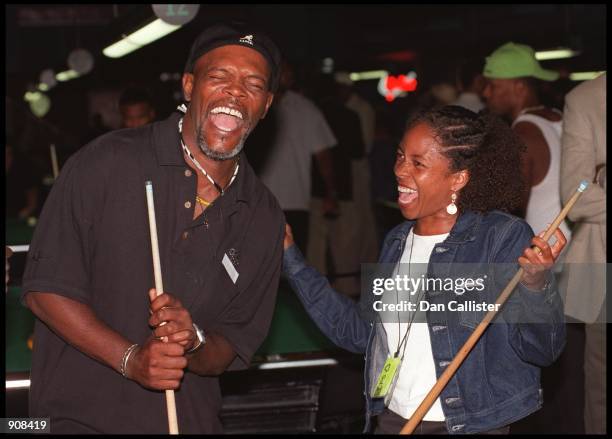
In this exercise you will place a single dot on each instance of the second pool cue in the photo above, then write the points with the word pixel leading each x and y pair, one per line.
pixel 54 164
pixel 159 288
pixel 450 370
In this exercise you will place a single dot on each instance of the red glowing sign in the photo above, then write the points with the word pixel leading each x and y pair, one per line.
pixel 402 82
pixel 393 86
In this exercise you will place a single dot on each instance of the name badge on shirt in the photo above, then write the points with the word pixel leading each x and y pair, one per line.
pixel 229 267
pixel 386 378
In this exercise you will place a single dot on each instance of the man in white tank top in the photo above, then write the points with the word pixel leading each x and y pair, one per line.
pixel 512 73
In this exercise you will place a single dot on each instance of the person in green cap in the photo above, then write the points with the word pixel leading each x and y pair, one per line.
pixel 513 76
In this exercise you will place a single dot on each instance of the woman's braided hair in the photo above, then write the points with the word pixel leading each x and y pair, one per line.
pixel 487 148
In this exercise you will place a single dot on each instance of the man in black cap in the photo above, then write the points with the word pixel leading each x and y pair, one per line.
pixel 105 346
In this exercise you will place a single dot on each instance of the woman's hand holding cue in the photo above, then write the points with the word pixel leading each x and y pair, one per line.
pixel 537 263
pixel 288 241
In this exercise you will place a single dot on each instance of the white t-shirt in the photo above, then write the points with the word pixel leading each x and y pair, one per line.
pixel 417 374
pixel 301 132
pixel 470 100
pixel 545 197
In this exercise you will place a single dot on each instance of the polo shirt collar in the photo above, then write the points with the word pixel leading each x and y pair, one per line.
pixel 241 188
pixel 167 145
pixel 167 142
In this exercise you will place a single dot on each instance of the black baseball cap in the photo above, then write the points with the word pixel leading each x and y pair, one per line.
pixel 240 35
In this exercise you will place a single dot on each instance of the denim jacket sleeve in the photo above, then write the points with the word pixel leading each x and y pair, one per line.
pixel 537 330
pixel 336 315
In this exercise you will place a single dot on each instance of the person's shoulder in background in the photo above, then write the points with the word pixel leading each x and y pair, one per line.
pixel 593 89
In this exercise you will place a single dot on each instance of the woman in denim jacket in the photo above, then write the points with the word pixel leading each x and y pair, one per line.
pixel 458 174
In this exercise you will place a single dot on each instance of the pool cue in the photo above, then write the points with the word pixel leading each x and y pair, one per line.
pixel 159 288
pixel 54 161
pixel 450 370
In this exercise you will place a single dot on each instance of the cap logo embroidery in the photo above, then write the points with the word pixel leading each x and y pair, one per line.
pixel 247 39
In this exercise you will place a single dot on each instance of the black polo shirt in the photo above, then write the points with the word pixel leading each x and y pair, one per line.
pixel 92 244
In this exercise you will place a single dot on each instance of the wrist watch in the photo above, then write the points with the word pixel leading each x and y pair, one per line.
pixel 201 339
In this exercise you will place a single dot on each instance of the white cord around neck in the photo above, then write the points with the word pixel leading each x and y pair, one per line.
pixel 197 165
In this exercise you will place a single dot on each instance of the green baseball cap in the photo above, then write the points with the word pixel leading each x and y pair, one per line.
pixel 516 61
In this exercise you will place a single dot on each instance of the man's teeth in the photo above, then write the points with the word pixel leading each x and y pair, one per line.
pixel 406 190
pixel 227 110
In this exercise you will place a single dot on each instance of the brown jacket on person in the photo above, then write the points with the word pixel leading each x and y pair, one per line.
pixel 583 156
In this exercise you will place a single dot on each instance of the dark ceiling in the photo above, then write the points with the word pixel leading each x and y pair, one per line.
pixel 40 37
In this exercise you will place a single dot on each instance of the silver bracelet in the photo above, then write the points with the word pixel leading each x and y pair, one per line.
pixel 201 339
pixel 126 357
pixel 195 348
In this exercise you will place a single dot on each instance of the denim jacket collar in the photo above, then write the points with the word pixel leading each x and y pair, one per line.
pixel 465 228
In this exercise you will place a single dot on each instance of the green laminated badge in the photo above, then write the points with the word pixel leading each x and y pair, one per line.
pixel 386 377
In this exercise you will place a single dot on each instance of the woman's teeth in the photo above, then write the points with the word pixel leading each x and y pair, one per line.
pixel 406 195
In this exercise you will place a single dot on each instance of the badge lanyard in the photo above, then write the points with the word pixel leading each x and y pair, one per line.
pixel 388 377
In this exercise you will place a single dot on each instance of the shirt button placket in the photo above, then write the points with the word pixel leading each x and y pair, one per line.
pixel 187 204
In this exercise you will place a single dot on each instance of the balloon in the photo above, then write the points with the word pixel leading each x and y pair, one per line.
pixel 81 61
pixel 47 77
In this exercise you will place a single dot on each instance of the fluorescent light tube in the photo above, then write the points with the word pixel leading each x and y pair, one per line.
pixel 298 363
pixel 556 54
pixel 143 36
pixel 67 75
pixel 584 76
pixel 18 384
pixel 372 74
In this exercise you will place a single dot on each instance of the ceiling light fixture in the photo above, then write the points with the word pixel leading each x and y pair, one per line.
pixel 372 74
pixel 560 53
pixel 67 75
pixel 584 76
pixel 39 102
pixel 143 36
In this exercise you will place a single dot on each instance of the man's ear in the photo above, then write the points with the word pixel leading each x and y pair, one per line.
pixel 187 86
pixel 460 178
pixel 269 100
pixel 519 87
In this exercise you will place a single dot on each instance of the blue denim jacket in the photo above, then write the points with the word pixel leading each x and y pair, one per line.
pixel 499 382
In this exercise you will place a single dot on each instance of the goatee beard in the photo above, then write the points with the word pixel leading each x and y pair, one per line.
pixel 219 155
